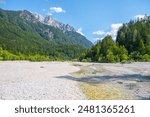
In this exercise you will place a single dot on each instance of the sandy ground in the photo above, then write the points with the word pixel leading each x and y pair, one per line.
pixel 37 81
pixel 74 81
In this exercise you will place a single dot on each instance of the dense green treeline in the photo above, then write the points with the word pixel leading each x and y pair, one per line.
pixel 6 55
pixel 132 44
pixel 71 54
pixel 105 51
pixel 135 36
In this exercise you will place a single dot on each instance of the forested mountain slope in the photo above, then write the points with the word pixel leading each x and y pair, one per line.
pixel 26 33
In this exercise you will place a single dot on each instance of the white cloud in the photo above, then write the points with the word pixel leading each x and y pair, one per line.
pixel 80 31
pixel 2 1
pixel 97 39
pixel 116 26
pixel 112 32
pixel 99 32
pixel 139 16
pixel 57 10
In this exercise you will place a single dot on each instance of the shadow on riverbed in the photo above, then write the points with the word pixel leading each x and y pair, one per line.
pixel 98 87
pixel 144 98
pixel 105 78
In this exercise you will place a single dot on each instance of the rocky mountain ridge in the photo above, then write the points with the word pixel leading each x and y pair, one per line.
pixel 48 20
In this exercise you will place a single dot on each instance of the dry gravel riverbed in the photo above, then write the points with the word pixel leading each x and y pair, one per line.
pixel 37 81
pixel 73 80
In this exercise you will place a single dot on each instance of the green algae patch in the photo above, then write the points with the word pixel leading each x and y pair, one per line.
pixel 103 92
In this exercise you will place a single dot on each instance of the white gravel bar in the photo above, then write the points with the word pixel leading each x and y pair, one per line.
pixel 23 80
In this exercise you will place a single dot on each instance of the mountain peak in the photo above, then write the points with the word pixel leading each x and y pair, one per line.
pixel 48 20
pixel 29 16
pixel 39 17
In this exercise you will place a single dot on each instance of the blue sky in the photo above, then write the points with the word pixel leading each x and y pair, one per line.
pixel 93 18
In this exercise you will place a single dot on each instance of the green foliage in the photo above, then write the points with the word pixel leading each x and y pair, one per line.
pixel 135 36
pixel 123 54
pixel 38 58
pixel 132 44
pixel 106 45
pixel 79 39
pixel 106 51
pixel 136 56
pixel 146 58
pixel 110 57
pixel 5 55
pixel 86 60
